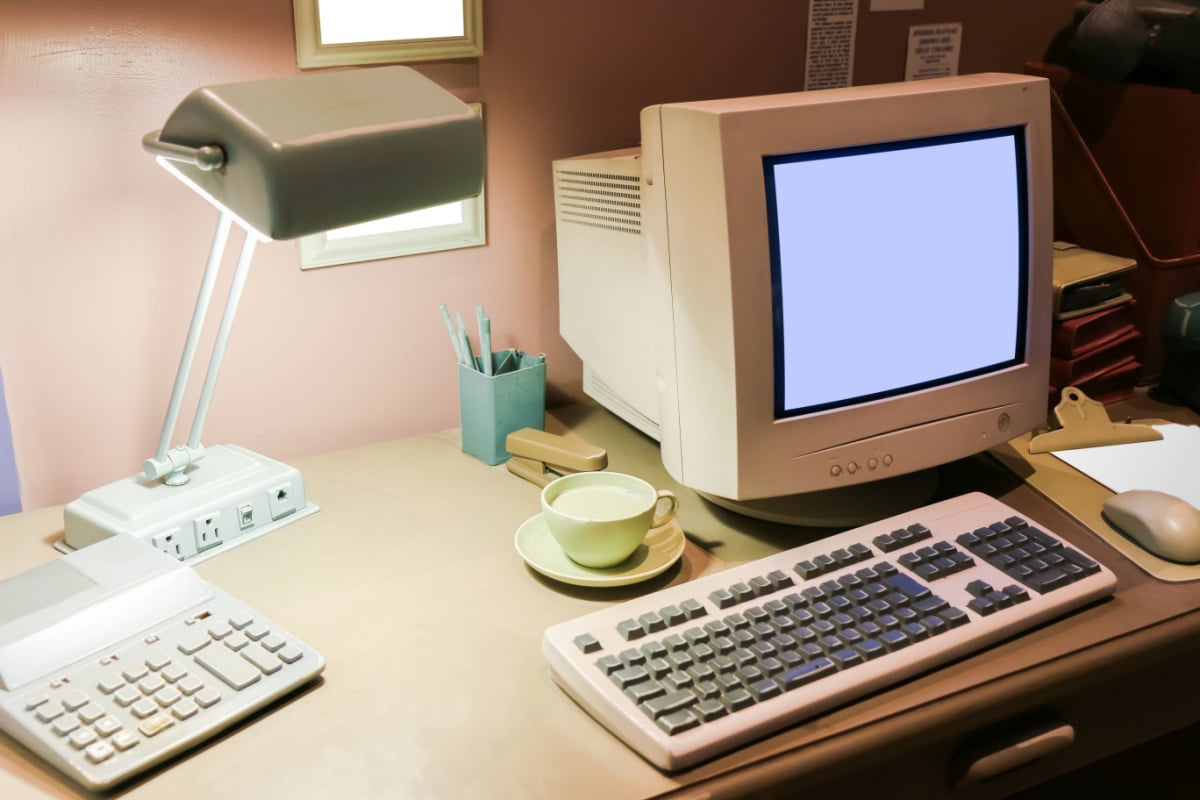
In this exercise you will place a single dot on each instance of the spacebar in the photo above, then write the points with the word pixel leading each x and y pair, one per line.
pixel 228 666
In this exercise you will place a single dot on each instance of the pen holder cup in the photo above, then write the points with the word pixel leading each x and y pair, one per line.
pixel 493 406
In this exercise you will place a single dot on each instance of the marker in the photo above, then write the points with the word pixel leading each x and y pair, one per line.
pixel 485 340
pixel 464 341
pixel 453 336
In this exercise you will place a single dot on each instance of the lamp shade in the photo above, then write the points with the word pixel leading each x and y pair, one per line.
pixel 313 152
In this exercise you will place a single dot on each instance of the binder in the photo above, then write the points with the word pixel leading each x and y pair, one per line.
pixel 1086 281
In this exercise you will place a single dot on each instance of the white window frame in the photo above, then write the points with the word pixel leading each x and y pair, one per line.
pixel 311 52
pixel 321 250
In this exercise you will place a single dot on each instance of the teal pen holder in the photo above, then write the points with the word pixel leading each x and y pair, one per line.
pixel 493 406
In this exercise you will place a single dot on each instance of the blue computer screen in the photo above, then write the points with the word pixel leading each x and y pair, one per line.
pixel 896 266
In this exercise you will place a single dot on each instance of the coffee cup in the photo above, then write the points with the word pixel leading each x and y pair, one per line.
pixel 600 518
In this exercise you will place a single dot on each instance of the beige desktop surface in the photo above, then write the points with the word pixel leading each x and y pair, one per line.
pixel 408 583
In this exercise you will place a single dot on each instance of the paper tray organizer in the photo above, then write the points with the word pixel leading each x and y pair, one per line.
pixel 1088 211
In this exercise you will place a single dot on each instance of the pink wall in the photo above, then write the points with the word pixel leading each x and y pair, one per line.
pixel 101 251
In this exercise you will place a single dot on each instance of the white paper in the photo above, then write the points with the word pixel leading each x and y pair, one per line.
pixel 831 28
pixel 897 5
pixel 1170 465
pixel 933 51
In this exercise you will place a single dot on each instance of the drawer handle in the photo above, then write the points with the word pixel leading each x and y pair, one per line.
pixel 1019 754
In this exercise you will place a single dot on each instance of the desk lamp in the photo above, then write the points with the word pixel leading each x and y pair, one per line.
pixel 281 158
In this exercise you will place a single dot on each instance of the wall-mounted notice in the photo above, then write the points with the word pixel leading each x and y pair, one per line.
pixel 831 26
pixel 933 51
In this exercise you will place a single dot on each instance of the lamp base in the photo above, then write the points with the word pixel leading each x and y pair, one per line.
pixel 233 496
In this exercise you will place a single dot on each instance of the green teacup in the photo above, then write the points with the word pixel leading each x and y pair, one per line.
pixel 600 518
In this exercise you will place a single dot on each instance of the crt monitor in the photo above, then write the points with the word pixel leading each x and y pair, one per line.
pixel 841 289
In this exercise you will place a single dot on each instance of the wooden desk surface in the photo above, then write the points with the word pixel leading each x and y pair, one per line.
pixel 408 582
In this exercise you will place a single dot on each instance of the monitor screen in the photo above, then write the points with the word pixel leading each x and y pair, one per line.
pixel 895 266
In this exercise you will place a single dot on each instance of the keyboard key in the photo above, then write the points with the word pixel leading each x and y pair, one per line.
pixel 668 703
pixel 64 725
pixel 107 726
pixel 157 660
pixel 123 740
pixel 151 684
pixel 47 712
pixel 90 713
pixel 192 641
pixel 155 725
pixel 206 697
pixel 219 630
pixel 806 673
pixel 110 682
pixel 274 641
pixel 184 709
pixel 236 641
pixel 234 671
pixel 678 722
pixel 256 631
pixel 173 672
pixel 630 629
pixel 135 672
pixel 74 699
pixel 99 752
pixel 81 738
pixel 189 684
pixel 144 708
pixel 240 619
pixel 630 675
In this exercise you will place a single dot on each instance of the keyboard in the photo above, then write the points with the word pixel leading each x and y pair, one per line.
pixel 117 657
pixel 689 672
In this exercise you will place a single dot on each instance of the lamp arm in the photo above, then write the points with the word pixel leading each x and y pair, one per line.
pixel 170 464
pixel 222 341
pixel 162 464
pixel 206 157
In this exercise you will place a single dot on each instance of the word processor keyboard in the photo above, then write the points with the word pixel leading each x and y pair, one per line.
pixel 116 656
pixel 691 671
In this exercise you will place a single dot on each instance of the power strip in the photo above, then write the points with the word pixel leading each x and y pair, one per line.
pixel 233 495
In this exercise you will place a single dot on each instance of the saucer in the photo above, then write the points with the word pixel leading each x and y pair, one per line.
pixel 661 548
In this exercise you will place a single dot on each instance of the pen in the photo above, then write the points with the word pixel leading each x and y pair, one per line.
pixel 485 340
pixel 453 336
pixel 464 341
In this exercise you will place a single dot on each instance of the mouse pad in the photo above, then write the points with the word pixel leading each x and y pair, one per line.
pixel 1168 465
pixel 1082 495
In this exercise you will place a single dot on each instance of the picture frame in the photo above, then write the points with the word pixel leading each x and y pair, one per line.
pixel 452 29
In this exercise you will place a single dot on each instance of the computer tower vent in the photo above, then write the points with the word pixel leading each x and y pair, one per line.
pixel 606 200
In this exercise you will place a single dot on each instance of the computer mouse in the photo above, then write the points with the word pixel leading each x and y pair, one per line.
pixel 1161 523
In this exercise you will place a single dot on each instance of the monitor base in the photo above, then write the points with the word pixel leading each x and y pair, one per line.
pixel 840 508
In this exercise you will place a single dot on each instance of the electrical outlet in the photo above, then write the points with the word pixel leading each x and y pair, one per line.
pixel 281 501
pixel 208 531
pixel 168 542
pixel 245 516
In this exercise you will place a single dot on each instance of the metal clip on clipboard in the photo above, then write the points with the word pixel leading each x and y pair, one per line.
pixel 1083 422
pixel 540 457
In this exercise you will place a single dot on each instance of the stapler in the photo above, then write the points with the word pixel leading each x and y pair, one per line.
pixel 1083 422
pixel 540 457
